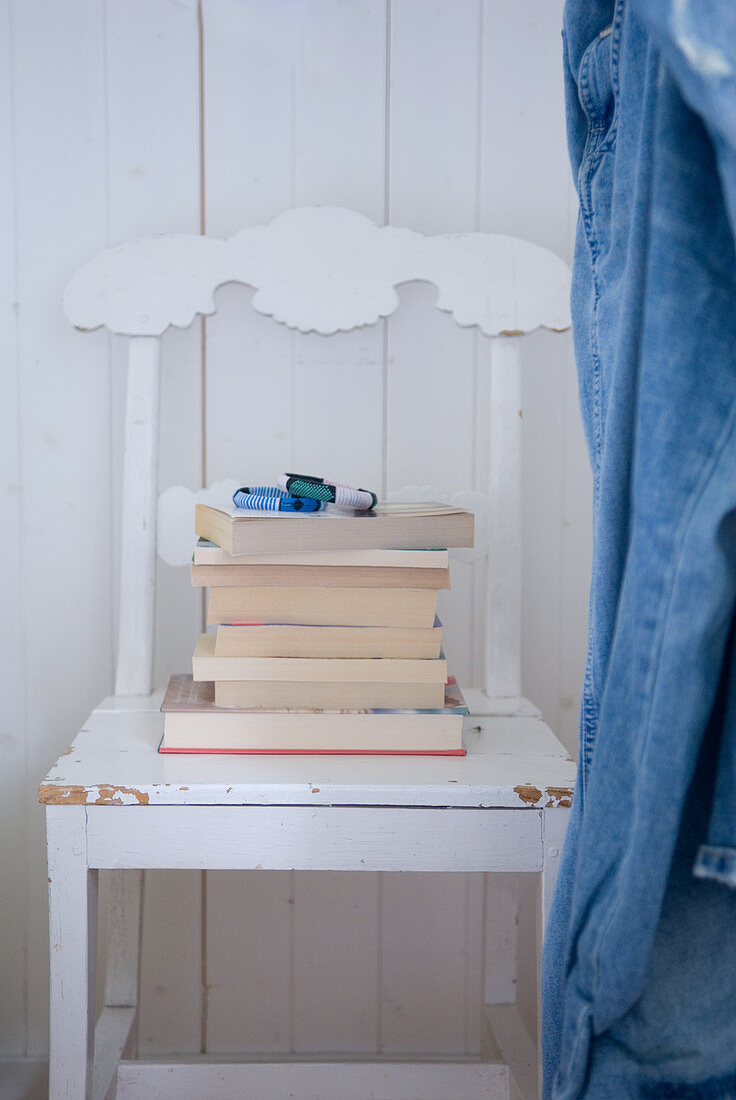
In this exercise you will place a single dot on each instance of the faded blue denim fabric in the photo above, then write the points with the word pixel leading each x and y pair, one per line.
pixel 639 976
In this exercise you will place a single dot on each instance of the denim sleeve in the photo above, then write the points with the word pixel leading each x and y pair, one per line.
pixel 697 42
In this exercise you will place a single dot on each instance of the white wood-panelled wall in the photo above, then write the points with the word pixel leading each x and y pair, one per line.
pixel 121 118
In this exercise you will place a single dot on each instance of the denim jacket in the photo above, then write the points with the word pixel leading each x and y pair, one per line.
pixel 639 983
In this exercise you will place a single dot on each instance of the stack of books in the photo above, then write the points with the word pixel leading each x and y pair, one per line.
pixel 326 638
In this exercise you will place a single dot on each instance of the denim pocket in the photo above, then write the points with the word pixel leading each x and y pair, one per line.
pixel 595 84
pixel 597 81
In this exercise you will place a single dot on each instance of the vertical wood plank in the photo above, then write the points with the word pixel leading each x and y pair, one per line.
pixel 473 933
pixel 339 102
pixel 433 168
pixel 153 117
pixel 58 88
pixel 153 186
pixel 124 944
pixel 423 964
pixel 249 54
pixel 431 392
pixel 170 1020
pixel 528 951
pixel 249 117
pixel 339 158
pixel 294 114
pixel 433 115
pixel 431 395
pixel 152 54
pixel 249 958
pixel 335 961
pixel 338 406
pixel 526 190
pixel 431 389
pixel 13 775
pixel 501 930
pixel 312 125
pixel 250 58
pixel 524 171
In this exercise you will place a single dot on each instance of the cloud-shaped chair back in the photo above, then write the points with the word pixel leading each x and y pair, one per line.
pixel 321 269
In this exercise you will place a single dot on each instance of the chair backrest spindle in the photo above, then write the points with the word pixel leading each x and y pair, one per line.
pixel 502 660
pixel 140 485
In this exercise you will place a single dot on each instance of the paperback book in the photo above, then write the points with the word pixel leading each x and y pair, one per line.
pixel 304 640
pixel 209 553
pixel 422 525
pixel 193 724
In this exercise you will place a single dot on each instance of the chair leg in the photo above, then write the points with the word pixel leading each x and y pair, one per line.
pixel 73 938
pixel 505 1034
pixel 554 827
pixel 117 1029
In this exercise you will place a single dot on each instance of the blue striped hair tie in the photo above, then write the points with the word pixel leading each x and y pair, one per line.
pixel 267 498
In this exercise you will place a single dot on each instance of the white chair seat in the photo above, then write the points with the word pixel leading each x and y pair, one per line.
pixel 512 762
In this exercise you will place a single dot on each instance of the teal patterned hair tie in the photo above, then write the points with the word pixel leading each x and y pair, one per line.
pixel 330 492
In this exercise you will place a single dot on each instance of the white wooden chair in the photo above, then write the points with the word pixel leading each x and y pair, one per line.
pixel 112 802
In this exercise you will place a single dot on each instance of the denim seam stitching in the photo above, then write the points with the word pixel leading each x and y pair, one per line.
pixel 593 153
pixel 589 716
pixel 590 105
pixel 703 483
pixel 616 32
pixel 584 82
pixel 588 166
